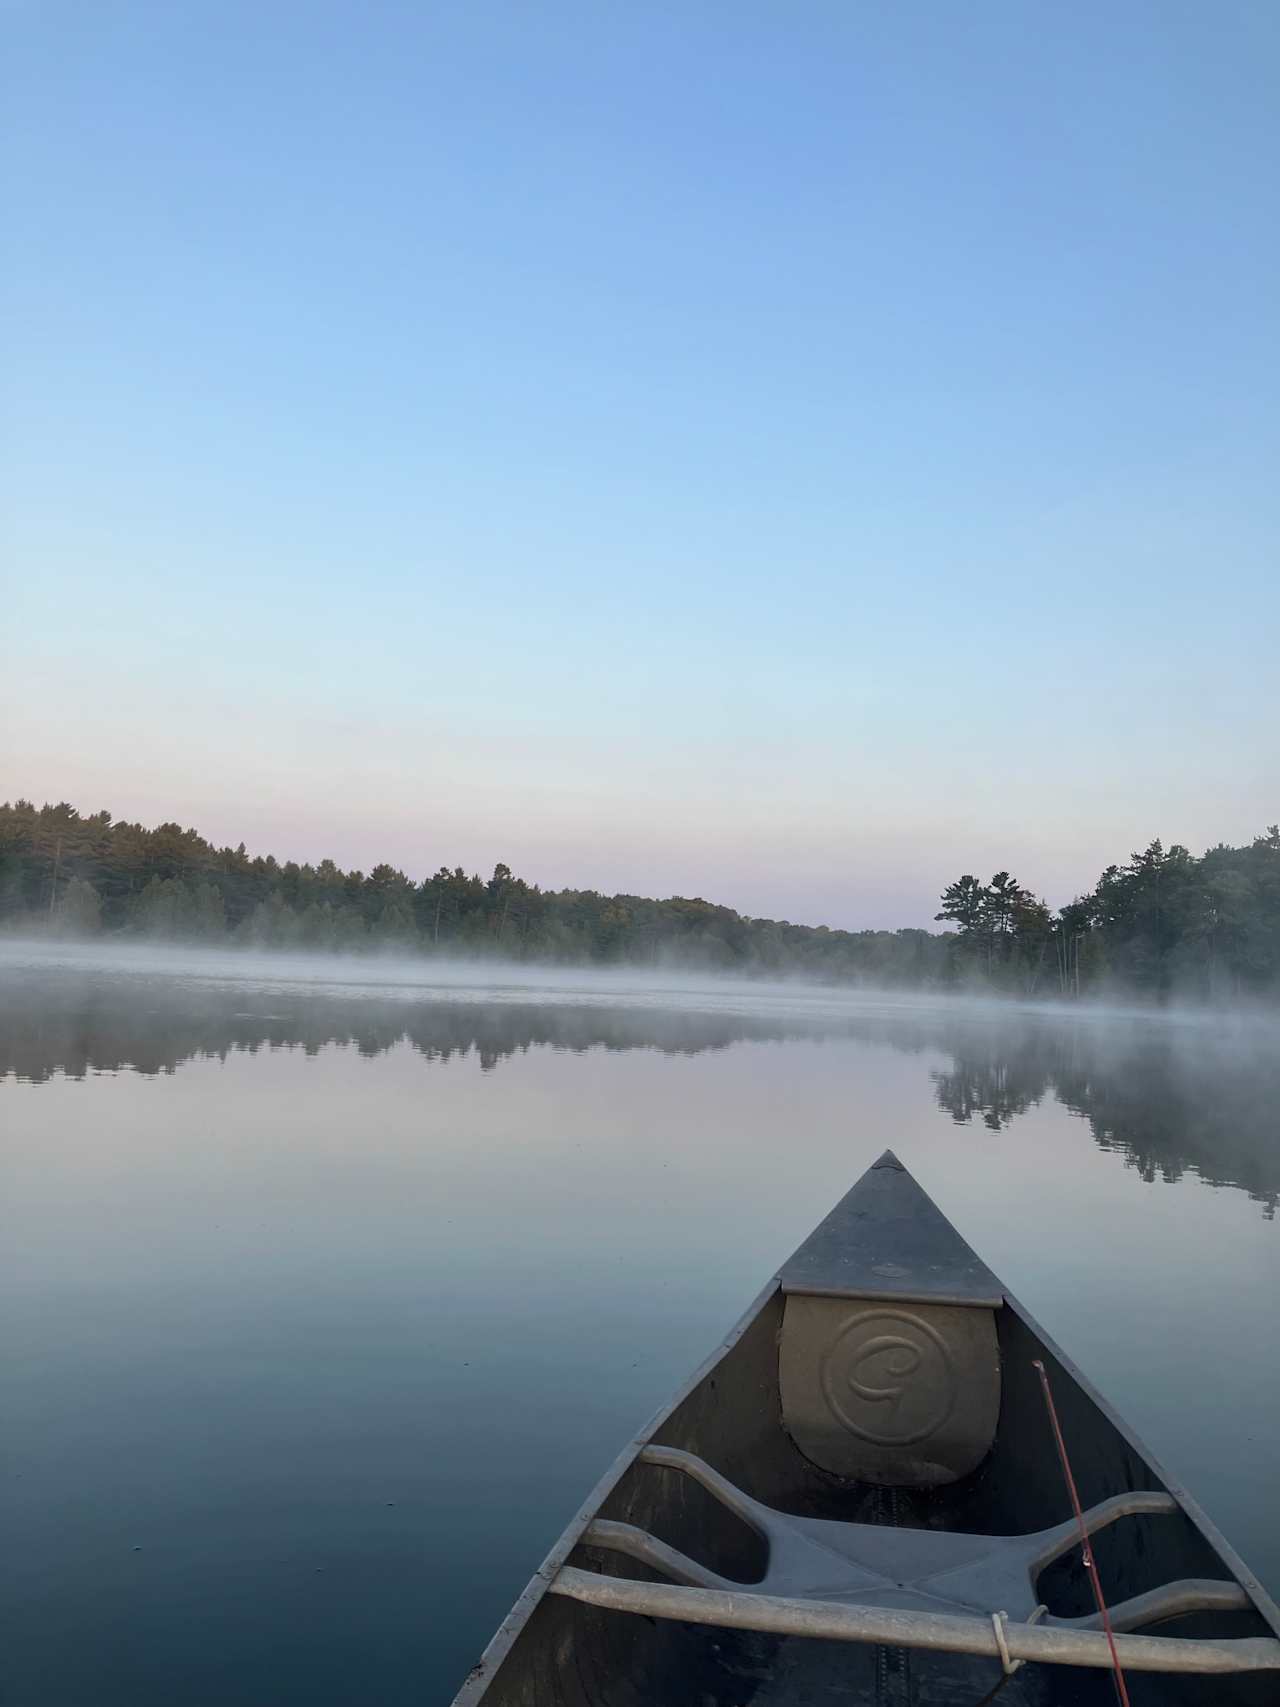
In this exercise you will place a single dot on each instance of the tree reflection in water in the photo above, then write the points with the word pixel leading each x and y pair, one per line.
pixel 1169 1095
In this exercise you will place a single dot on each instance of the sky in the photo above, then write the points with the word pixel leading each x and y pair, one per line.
pixel 786 454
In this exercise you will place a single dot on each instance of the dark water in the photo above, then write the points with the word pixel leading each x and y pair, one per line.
pixel 324 1304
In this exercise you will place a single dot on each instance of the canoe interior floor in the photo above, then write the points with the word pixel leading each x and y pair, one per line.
pixel 804 1676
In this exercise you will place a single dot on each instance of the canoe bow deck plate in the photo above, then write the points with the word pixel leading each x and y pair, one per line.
pixel 886 1239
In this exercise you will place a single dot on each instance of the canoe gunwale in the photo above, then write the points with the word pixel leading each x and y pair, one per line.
pixel 478 1678
pixel 844 1621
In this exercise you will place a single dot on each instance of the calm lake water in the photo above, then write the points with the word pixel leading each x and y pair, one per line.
pixel 325 1298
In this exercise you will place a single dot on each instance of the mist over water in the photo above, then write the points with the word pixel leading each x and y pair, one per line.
pixel 331 1286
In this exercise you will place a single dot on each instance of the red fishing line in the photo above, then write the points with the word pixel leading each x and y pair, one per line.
pixel 1089 1564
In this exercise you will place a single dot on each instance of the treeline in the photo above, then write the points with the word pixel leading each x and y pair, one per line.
pixel 1167 922
pixel 75 874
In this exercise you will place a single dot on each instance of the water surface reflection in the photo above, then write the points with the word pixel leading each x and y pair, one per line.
pixel 1168 1096
pixel 324 1304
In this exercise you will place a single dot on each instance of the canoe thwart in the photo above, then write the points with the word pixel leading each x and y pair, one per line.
pixel 908 1628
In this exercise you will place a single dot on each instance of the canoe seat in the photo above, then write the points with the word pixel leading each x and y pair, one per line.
pixel 889 1391
pixel 920 1571
pixel 888 1359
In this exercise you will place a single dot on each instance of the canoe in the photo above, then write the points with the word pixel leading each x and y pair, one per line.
pixel 861 1498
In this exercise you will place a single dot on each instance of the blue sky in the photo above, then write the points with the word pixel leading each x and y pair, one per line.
pixel 787 454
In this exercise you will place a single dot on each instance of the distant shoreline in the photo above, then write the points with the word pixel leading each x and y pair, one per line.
pixel 1167 926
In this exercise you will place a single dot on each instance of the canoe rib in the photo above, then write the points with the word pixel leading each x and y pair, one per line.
pixel 782 1616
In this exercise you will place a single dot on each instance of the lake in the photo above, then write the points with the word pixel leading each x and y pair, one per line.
pixel 329 1289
